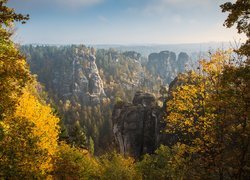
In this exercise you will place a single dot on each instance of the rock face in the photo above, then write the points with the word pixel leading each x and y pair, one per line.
pixel 166 65
pixel 137 126
pixel 87 82
pixel 75 75
pixel 95 85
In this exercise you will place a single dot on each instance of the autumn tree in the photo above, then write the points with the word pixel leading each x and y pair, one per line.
pixel 239 14
pixel 209 112
pixel 7 17
pixel 13 68
pixel 209 109
pixel 75 163
pixel 30 139
pixel 116 167
pixel 236 82
pixel 166 163
pixel 28 127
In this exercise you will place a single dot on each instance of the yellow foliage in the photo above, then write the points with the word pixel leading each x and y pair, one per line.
pixel 115 166
pixel 210 114
pixel 45 123
pixel 75 163
pixel 30 139
pixel 14 74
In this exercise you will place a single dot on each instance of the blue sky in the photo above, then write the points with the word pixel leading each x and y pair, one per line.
pixel 122 21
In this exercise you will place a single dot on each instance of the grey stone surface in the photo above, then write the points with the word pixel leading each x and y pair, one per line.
pixel 137 126
pixel 166 65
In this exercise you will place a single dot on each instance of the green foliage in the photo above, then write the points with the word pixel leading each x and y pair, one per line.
pixel 75 163
pixel 166 163
pixel 91 146
pixel 116 167
pixel 78 138
pixel 208 112
pixel 121 75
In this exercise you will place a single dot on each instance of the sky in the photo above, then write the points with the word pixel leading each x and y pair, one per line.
pixel 122 22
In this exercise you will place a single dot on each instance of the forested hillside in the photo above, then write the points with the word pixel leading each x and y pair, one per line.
pixel 75 112
pixel 85 83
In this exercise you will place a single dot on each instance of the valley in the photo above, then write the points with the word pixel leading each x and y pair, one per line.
pixel 84 85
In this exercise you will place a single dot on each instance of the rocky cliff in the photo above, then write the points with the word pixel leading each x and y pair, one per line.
pixel 137 125
pixel 74 75
pixel 84 86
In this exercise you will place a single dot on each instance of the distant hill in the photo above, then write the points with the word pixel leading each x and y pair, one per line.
pixel 189 48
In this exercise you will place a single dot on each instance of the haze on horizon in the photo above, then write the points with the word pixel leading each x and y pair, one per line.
pixel 122 22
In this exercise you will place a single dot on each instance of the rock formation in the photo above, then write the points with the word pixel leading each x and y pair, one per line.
pixel 166 65
pixel 137 126
pixel 95 85
pixel 72 76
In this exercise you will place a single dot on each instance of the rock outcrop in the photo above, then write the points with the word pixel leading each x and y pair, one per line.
pixel 137 126
pixel 95 85
pixel 75 75
pixel 166 65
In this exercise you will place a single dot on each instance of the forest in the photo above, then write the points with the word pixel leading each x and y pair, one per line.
pixel 76 112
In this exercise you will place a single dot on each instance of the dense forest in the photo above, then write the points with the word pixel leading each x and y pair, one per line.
pixel 85 84
pixel 76 112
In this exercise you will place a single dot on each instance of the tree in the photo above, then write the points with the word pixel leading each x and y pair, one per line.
pixel 209 112
pixel 235 97
pixel 13 68
pixel 78 136
pixel 116 167
pixel 28 127
pixel 30 139
pixel 14 73
pixel 7 17
pixel 239 14
pixel 75 163
pixel 166 163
